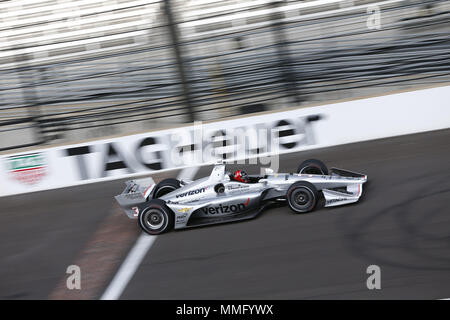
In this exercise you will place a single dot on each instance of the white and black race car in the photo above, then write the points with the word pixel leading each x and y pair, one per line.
pixel 224 197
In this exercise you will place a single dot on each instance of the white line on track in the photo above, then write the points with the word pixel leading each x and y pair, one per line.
pixel 137 254
pixel 128 267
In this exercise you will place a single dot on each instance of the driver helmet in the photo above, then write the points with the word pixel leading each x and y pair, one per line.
pixel 241 175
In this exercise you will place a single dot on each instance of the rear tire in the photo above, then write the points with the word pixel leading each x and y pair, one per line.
pixel 156 218
pixel 312 166
pixel 302 197
pixel 164 187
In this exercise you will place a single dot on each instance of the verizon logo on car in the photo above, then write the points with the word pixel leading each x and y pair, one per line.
pixel 233 208
pixel 192 192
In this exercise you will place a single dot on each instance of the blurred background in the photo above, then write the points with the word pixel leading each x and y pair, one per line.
pixel 77 70
pixel 71 71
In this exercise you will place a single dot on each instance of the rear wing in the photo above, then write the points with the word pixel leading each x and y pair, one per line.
pixel 135 195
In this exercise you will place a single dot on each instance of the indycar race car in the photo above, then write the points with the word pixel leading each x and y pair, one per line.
pixel 224 197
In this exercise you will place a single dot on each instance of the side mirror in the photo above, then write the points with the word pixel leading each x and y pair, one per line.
pixel 219 188
pixel 184 182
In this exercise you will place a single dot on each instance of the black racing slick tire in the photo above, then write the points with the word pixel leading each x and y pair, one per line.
pixel 302 197
pixel 156 218
pixel 164 187
pixel 312 166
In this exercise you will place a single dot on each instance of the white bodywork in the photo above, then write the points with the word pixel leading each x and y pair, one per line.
pixel 201 199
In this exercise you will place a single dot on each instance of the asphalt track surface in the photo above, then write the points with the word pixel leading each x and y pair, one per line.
pixel 401 224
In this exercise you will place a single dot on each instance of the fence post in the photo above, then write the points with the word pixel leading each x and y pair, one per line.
pixel 175 39
pixel 282 47
pixel 31 100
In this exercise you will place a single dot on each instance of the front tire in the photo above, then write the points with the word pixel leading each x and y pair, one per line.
pixel 302 197
pixel 312 166
pixel 156 218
